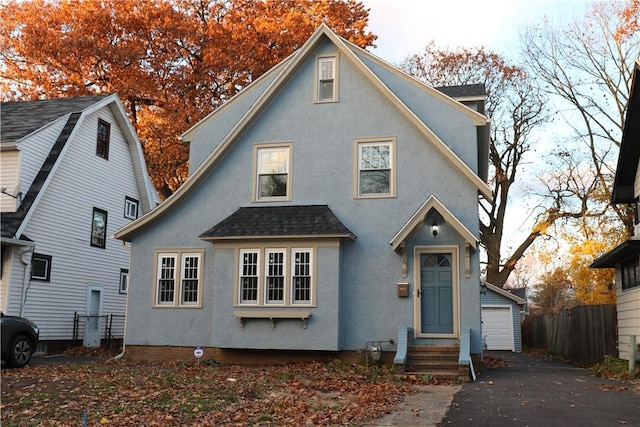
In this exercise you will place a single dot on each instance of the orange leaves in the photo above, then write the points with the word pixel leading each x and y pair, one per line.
pixel 127 393
pixel 171 61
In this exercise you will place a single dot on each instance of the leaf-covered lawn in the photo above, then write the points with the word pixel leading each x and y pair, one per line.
pixel 127 393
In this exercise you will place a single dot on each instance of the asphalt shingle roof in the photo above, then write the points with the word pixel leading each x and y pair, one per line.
pixel 19 119
pixel 462 91
pixel 279 221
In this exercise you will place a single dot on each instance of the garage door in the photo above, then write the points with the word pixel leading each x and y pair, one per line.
pixel 497 328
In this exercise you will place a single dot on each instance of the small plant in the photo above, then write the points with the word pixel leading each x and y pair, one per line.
pixel 426 378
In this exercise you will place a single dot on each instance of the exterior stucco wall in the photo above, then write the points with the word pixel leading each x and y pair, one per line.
pixel 357 297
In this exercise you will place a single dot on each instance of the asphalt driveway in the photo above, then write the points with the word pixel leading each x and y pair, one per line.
pixel 532 391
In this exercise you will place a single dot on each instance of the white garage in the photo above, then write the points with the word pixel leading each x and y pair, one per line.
pixel 501 320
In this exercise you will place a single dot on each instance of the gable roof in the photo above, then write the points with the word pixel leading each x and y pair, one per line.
pixel 266 222
pixel 466 92
pixel 629 146
pixel 285 72
pixel 504 293
pixel 21 119
pixel 417 219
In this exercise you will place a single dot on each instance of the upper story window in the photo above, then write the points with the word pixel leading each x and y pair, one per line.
pixel 178 281
pixel 273 165
pixel 41 267
pixel 327 79
pixel 285 277
pixel 99 228
pixel 124 281
pixel 630 272
pixel 375 168
pixel 130 208
pixel 102 145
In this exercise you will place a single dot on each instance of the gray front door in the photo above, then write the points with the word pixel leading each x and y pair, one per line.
pixel 93 324
pixel 436 293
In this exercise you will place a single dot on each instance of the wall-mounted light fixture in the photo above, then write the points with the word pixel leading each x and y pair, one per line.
pixel 434 228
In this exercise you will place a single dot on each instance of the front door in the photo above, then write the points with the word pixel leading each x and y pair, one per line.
pixel 93 324
pixel 436 295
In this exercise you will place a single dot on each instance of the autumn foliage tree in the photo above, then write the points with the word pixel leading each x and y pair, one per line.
pixel 171 61
pixel 515 107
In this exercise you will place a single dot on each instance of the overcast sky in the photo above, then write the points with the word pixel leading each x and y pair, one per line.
pixel 404 27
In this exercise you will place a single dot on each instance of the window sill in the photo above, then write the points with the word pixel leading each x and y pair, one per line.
pixel 273 316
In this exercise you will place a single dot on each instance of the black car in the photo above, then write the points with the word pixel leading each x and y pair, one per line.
pixel 19 340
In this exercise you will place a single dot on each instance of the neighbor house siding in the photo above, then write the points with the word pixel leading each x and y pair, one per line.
pixel 628 314
pixel 9 179
pixel 61 227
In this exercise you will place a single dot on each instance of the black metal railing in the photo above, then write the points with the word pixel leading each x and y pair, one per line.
pixel 112 330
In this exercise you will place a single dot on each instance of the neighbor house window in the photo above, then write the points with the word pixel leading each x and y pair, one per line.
pixel 102 145
pixel 99 228
pixel 179 278
pixel 271 282
pixel 124 281
pixel 326 83
pixel 41 267
pixel 130 208
pixel 375 168
pixel 273 180
pixel 630 270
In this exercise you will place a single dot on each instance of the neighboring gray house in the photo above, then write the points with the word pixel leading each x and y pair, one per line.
pixel 625 258
pixel 72 172
pixel 501 315
pixel 331 204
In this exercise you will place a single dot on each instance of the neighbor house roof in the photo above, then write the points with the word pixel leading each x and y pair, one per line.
pixel 629 146
pixel 465 92
pixel 279 221
pixel 18 120
pixel 505 293
pixel 616 255
pixel 21 118
pixel 286 70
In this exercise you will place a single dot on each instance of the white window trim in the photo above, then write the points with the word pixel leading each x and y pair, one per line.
pixel 317 76
pixel 262 268
pixel 178 292
pixel 361 142
pixel 124 280
pixel 240 265
pixel 128 203
pixel 256 171
pixel 285 292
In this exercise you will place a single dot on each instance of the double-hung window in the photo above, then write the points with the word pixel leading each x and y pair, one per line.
pixel 375 168
pixel 99 228
pixel 273 165
pixel 102 144
pixel 327 81
pixel 272 281
pixel 178 278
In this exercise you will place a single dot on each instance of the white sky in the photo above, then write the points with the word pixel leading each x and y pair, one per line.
pixel 405 27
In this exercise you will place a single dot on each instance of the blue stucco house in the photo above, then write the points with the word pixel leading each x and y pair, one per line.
pixel 331 205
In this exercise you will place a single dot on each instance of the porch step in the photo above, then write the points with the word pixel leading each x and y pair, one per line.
pixel 437 362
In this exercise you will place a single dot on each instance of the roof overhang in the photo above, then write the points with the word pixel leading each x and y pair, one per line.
pixel 420 215
pixel 17 242
pixel 618 254
pixel 504 293
pixel 623 184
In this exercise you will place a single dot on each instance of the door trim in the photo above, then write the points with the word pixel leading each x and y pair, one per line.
pixel 455 284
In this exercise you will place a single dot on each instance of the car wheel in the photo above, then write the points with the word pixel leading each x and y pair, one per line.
pixel 20 352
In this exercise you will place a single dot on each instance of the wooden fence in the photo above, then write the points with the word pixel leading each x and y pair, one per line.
pixel 585 334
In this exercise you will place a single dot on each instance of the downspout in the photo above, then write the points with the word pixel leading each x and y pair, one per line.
pixel 126 310
pixel 25 278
